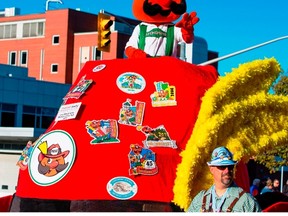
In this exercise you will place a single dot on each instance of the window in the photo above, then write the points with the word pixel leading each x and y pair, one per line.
pixel 1 32
pixel 12 58
pixel 23 58
pixel 34 29
pixel 4 187
pixel 96 54
pixel 7 115
pixel 54 68
pixel 8 31
pixel 55 39
pixel 38 117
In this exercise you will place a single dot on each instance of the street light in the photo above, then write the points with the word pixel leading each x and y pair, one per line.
pixel 242 51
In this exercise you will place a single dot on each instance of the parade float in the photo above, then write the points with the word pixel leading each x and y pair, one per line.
pixel 135 134
pixel 134 130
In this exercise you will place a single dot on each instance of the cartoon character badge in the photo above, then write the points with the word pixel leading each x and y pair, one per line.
pixel 131 83
pixel 103 131
pixel 52 157
pixel 142 161
pixel 25 155
pixel 165 95
pixel 79 89
pixel 156 137
pixel 131 115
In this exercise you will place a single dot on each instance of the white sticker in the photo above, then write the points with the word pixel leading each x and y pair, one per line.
pixel 68 111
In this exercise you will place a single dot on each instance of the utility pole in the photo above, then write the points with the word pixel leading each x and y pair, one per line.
pixel 242 51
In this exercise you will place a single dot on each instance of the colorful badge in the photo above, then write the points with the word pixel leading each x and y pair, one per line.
pixel 165 95
pixel 122 188
pixel 131 115
pixel 131 83
pixel 79 89
pixel 99 68
pixel 156 137
pixel 103 131
pixel 25 155
pixel 142 161
pixel 52 157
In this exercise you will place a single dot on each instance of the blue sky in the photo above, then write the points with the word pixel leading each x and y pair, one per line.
pixel 227 26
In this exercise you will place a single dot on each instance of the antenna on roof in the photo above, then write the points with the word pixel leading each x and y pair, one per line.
pixel 49 1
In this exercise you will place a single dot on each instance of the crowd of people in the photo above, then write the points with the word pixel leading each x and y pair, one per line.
pixel 268 192
pixel 265 185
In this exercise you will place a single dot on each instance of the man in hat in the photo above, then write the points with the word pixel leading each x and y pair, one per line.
pixel 224 195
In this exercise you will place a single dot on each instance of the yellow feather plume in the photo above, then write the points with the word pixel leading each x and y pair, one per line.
pixel 236 112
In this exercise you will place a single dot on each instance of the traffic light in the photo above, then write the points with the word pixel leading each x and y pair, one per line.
pixel 104 24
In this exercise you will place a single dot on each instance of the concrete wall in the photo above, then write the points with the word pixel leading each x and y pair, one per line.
pixel 8 173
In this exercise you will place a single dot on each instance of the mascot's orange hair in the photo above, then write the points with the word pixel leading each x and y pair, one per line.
pixel 162 12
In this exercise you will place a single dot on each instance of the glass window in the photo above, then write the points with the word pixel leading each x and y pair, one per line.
pixel 7 119
pixel 12 58
pixel 9 107
pixel 33 29
pixel 13 31
pixel 4 187
pixel 1 32
pixel 24 58
pixel 29 109
pixel 96 54
pixel 26 27
pixel 7 30
pixel 38 117
pixel 40 28
pixel 28 120
pixel 7 115
pixel 54 68
pixel 56 39
pixel 46 121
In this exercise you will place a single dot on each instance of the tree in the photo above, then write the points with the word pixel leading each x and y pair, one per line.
pixel 274 158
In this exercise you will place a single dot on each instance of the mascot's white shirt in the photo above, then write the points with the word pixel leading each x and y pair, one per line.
pixel 155 45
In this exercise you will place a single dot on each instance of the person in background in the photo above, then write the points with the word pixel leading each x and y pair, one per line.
pixel 276 185
pixel 285 188
pixel 254 189
pixel 263 183
pixel 268 187
pixel 224 195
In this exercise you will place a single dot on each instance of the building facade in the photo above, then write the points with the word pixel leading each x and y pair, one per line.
pixel 55 45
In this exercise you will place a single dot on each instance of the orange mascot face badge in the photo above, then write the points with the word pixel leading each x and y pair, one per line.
pixel 158 11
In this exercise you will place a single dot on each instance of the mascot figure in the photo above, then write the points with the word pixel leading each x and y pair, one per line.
pixel 156 35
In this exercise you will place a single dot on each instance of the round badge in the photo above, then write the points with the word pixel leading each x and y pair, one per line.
pixel 122 188
pixel 131 83
pixel 99 68
pixel 52 157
